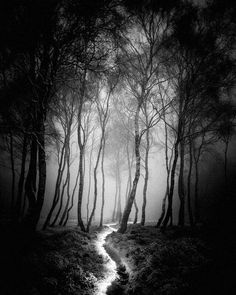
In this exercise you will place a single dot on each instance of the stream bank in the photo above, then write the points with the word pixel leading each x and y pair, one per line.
pixel 56 261
pixel 66 262
pixel 178 262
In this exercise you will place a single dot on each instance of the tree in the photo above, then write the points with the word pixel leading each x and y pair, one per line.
pixel 198 82
pixel 42 45
pixel 140 65
pixel 103 116
pixel 64 112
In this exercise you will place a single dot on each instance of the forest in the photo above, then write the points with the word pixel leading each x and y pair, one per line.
pixel 117 140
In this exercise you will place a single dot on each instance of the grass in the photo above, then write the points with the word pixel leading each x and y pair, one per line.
pixel 57 261
pixel 179 261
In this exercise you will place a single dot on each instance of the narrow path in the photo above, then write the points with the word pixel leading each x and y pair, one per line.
pixel 110 265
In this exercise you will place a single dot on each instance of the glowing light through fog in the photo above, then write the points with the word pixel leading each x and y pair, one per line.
pixel 110 265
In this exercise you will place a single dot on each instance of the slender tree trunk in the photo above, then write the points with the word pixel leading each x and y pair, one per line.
pixel 68 185
pixel 115 203
pixel 30 184
pixel 196 197
pixel 196 156
pixel 136 212
pixel 163 210
pixel 128 189
pixel 61 202
pixel 89 185
pixel 67 126
pixel 81 180
pixel 103 117
pixel 67 163
pixel 42 172
pixel 118 213
pixel 169 213
pixel 21 178
pixel 129 204
pixel 145 179
pixel 72 199
pixel 168 165
pixel 67 192
pixel 81 189
pixel 103 182
pixel 95 181
pixel 81 143
pixel 189 183
pixel 181 189
pixel 129 182
pixel 61 167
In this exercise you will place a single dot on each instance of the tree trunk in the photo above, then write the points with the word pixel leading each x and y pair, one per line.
pixel 128 189
pixel 196 156
pixel 61 168
pixel 169 213
pixel 168 165
pixel 163 210
pixel 145 179
pixel 118 212
pixel 72 199
pixel 129 204
pixel 81 189
pixel 30 184
pixel 61 201
pixel 68 197
pixel 89 185
pixel 181 189
pixel 95 182
pixel 189 183
pixel 42 172
pixel 67 162
pixel 136 212
pixel 103 182
pixel 115 203
pixel 81 143
pixel 68 186
pixel 22 177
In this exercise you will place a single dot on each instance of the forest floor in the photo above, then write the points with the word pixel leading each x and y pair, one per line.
pixel 56 261
pixel 65 262
pixel 175 262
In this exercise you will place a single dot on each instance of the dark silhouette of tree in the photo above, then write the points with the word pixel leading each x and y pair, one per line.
pixel 200 71
pixel 90 176
pixel 41 47
pixel 140 65
pixel 64 112
pixel 103 116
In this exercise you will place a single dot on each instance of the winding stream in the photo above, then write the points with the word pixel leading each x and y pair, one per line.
pixel 110 265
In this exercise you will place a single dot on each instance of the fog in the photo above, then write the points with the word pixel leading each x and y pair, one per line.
pixel 156 187
pixel 211 177
pixel 117 147
pixel 129 121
